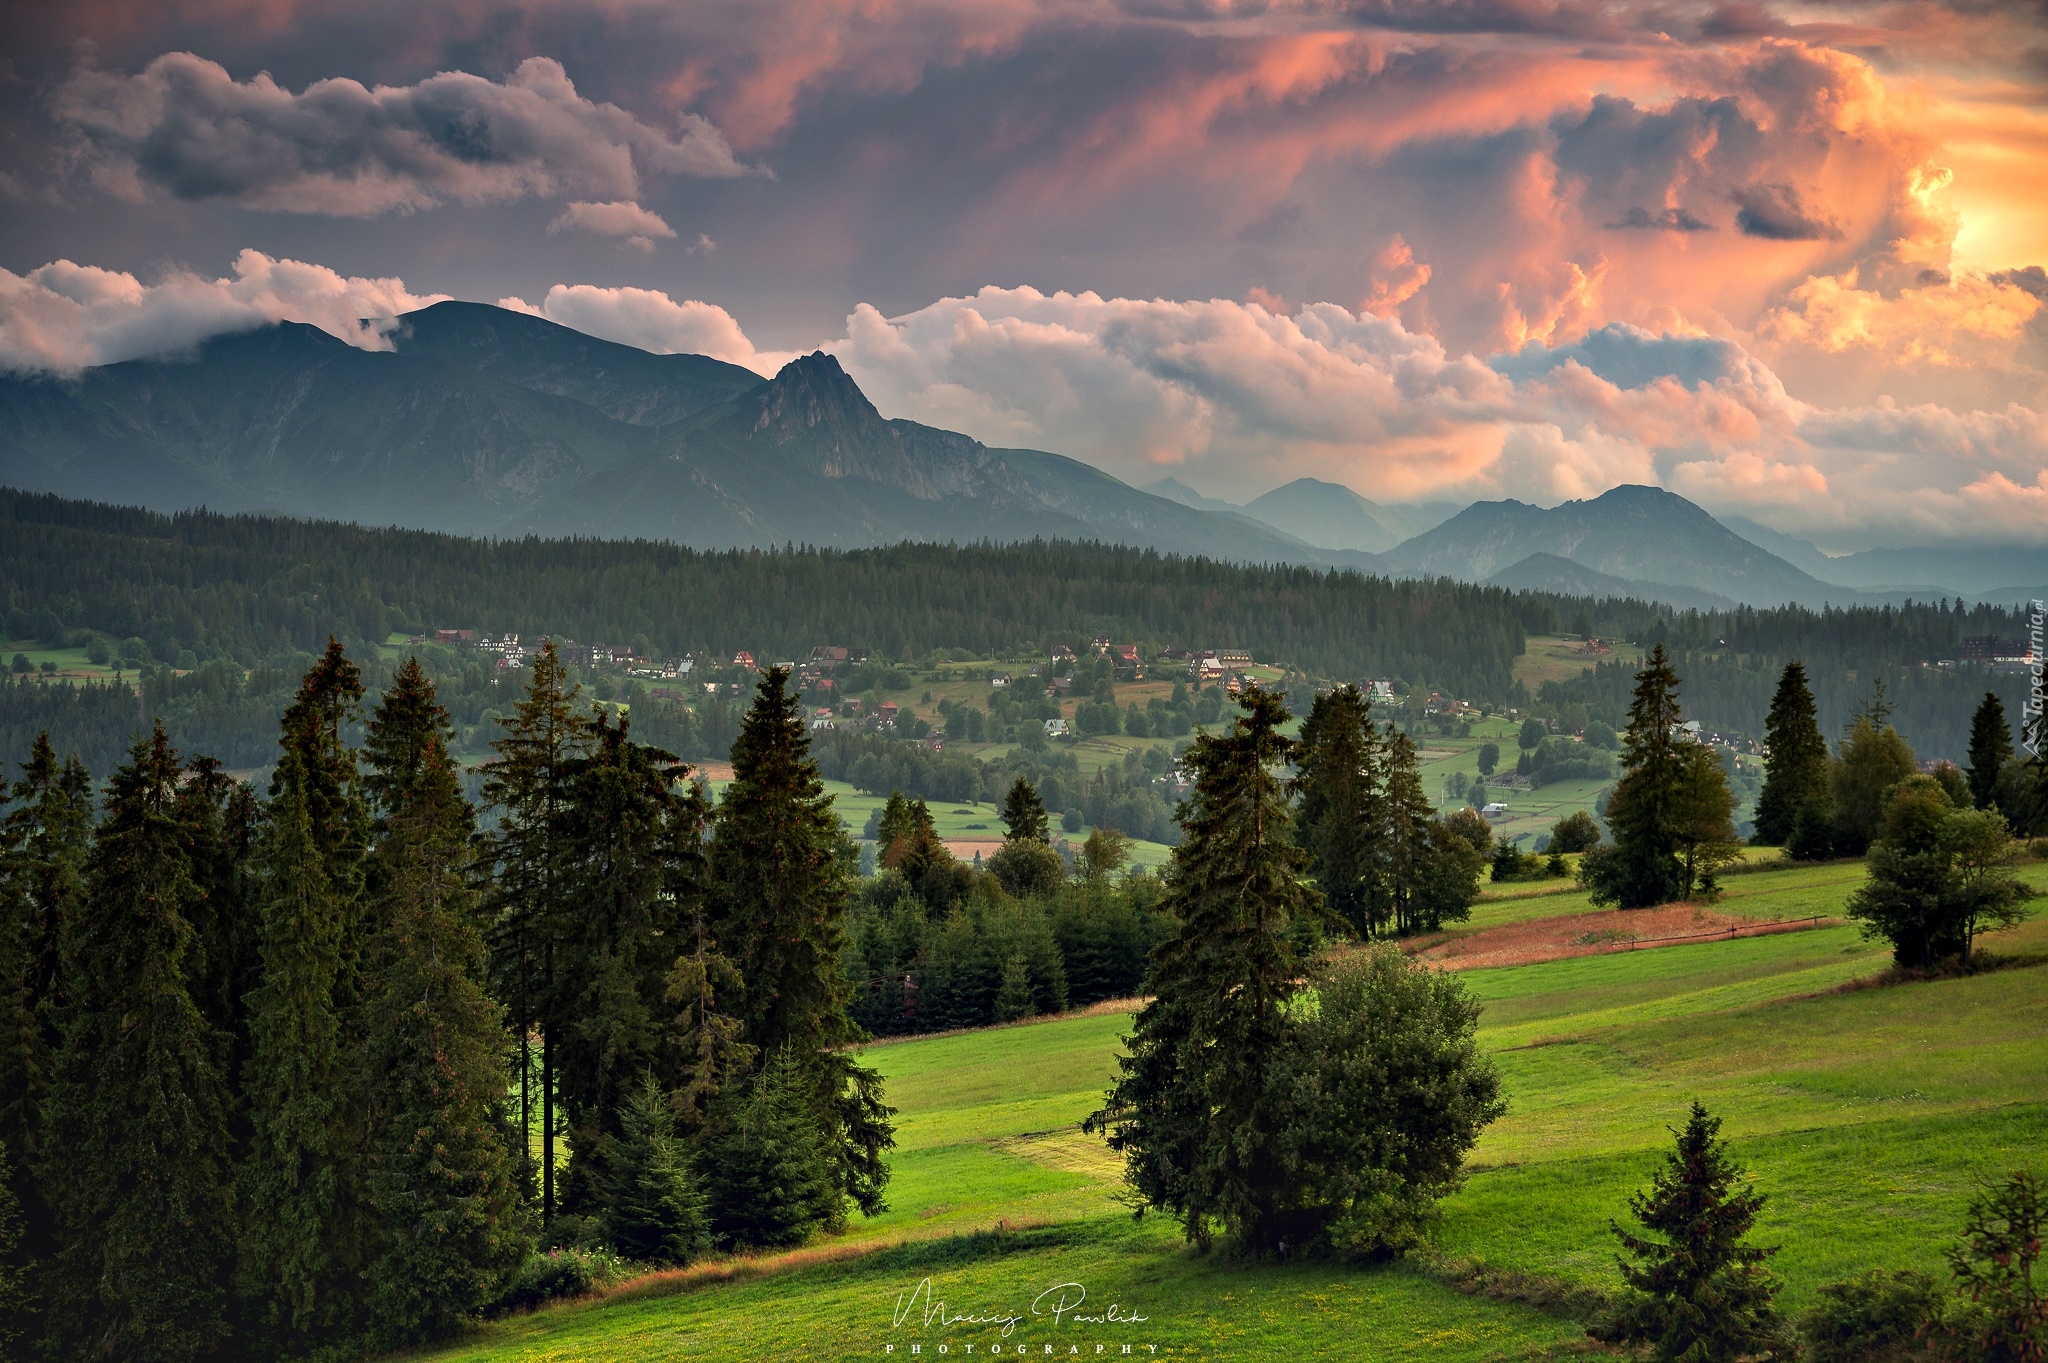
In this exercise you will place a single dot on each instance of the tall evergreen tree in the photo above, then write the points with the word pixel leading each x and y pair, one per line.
pixel 1643 809
pixel 1405 861
pixel 1700 1294
pixel 776 1180
pixel 1191 1111
pixel 449 1224
pixel 1024 813
pixel 654 1210
pixel 614 956
pixel 779 895
pixel 295 1266
pixel 337 815
pixel 1796 762
pixel 222 818
pixel 1990 750
pixel 138 1107
pixel 1342 807
pixel 538 755
pixel 44 844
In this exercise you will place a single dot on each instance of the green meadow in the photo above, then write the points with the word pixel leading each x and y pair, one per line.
pixel 1869 1116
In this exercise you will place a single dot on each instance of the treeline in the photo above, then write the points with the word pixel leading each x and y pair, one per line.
pixel 1119 797
pixel 246 586
pixel 255 591
pixel 314 1073
pixel 1731 692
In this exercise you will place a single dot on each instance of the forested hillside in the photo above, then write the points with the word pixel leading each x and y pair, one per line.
pixel 226 608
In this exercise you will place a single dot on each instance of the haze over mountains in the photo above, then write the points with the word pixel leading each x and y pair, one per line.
pixel 487 421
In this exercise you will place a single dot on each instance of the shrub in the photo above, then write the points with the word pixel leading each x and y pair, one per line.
pixel 1876 1317
pixel 1383 1090
pixel 558 1274
pixel 98 654
pixel 1027 867
pixel 1575 833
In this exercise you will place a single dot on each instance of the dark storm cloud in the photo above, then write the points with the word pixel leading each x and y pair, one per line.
pixel 1775 213
pixel 1665 220
pixel 184 128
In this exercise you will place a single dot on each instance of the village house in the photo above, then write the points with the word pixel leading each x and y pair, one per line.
pixel 1126 663
pixel 1062 654
pixel 743 659
pixel 999 679
pixel 827 655
pixel 454 636
pixel 1055 728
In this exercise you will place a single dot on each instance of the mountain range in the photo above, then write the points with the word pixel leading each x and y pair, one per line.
pixel 481 420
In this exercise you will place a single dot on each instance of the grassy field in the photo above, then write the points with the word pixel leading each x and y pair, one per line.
pixel 1868 1115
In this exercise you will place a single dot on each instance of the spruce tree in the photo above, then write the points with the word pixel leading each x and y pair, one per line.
pixel 448 1224
pixel 1699 1293
pixel 1024 813
pixel 1990 750
pixel 44 843
pixel 654 1211
pixel 1191 1112
pixel 137 1161
pixel 221 818
pixel 1644 807
pixel 296 1089
pixel 328 700
pixel 17 1317
pixel 615 953
pixel 1342 806
pixel 1013 995
pixel 543 746
pixel 707 1032
pixel 1795 764
pixel 1407 872
pixel 775 1178
pixel 779 893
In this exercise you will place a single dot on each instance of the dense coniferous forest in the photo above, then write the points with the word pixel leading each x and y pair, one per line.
pixel 219 613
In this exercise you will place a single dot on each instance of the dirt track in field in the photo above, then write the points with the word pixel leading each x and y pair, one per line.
pixel 1593 934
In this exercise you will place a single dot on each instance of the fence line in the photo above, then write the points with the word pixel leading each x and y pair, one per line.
pixel 1732 930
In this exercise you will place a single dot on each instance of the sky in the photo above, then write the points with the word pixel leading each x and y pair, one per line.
pixel 1785 259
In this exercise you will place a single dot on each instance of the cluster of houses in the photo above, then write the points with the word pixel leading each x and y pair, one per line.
pixel 510 651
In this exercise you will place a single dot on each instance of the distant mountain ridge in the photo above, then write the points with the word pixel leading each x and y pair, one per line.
pixel 482 420
pixel 1642 535
pixel 487 421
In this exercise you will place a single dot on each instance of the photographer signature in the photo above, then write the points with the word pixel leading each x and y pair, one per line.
pixel 1062 1302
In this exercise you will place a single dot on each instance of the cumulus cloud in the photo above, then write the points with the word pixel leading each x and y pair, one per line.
pixel 639 226
pixel 1236 398
pixel 651 320
pixel 183 128
pixel 63 317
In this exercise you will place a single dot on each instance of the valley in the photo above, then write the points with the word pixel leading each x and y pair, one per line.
pixel 1867 1115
